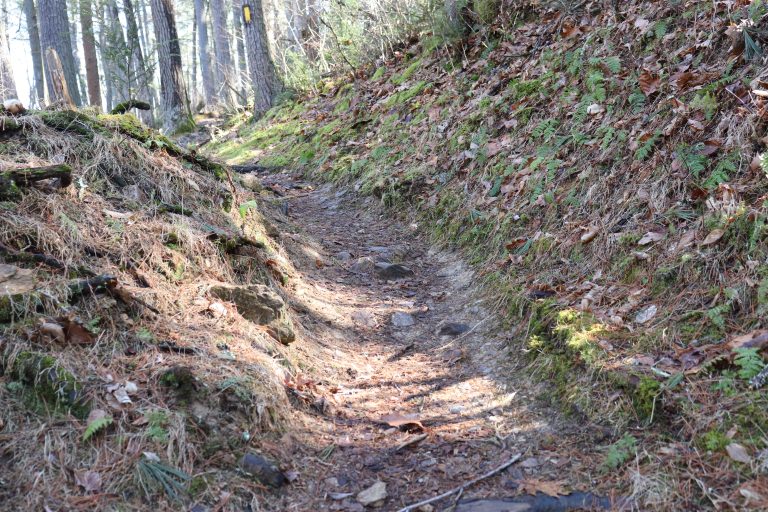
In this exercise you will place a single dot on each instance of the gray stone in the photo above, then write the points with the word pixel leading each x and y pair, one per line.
pixel 344 256
pixel 401 319
pixel 373 496
pixel 392 271
pixel 262 470
pixel 453 329
pixel 363 265
pixel 259 304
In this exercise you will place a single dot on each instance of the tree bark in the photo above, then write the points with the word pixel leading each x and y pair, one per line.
pixel 7 83
pixel 89 50
pixel 175 102
pixel 54 33
pixel 119 56
pixel 106 65
pixel 264 79
pixel 34 42
pixel 222 52
pixel 206 72
pixel 58 89
pixel 140 70
pixel 242 65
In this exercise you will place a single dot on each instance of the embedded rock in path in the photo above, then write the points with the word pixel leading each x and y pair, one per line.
pixel 259 304
pixel 453 329
pixel 392 271
pixel 262 470
pixel 400 319
pixel 363 265
pixel 373 496
pixel 344 256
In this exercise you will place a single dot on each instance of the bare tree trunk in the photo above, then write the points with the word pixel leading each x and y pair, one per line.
pixel 73 29
pixel 242 66
pixel 34 43
pixel 106 63
pixel 119 56
pixel 264 79
pixel 57 83
pixel 176 112
pixel 54 33
pixel 193 92
pixel 89 50
pixel 140 70
pixel 7 83
pixel 206 73
pixel 222 52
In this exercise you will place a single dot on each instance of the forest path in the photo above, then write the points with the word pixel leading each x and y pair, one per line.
pixel 448 374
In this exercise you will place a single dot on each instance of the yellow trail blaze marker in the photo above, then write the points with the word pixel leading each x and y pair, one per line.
pixel 247 13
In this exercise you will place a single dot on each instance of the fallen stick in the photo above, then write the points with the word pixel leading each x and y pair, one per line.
pixel 462 487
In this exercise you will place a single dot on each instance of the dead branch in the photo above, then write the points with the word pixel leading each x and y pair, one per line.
pixel 461 488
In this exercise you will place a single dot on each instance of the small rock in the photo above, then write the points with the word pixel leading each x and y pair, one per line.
pixel 456 409
pixel 453 329
pixel 426 508
pixel 400 319
pixel 332 481
pixel 344 256
pixel 392 271
pixel 217 309
pixel 262 470
pixel 364 318
pixel 363 265
pixel 373 496
pixel 261 305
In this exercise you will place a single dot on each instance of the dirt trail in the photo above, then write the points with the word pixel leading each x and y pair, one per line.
pixel 476 411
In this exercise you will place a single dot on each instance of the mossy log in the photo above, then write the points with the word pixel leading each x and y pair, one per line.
pixel 93 284
pixel 26 177
pixel 125 106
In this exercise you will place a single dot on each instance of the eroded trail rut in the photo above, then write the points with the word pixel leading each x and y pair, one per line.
pixel 424 395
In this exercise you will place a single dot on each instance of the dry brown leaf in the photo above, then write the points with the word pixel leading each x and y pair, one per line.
pixel 738 453
pixel 53 331
pixel 589 234
pixel 755 339
pixel 650 237
pixel 713 237
pixel 533 486
pixel 88 480
pixel 410 422
pixel 649 82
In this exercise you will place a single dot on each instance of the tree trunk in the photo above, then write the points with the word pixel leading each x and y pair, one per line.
pixel 140 70
pixel 263 76
pixel 89 50
pixel 58 88
pixel 222 52
pixel 175 103
pixel 54 33
pixel 119 56
pixel 106 65
pixel 34 43
pixel 81 89
pixel 242 66
pixel 7 83
pixel 206 73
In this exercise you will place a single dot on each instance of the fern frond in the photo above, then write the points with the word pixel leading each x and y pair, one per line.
pixel 95 426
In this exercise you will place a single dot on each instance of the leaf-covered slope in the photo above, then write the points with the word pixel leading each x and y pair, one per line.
pixel 604 171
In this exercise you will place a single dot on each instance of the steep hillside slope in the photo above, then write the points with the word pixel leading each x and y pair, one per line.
pixel 144 325
pixel 603 170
